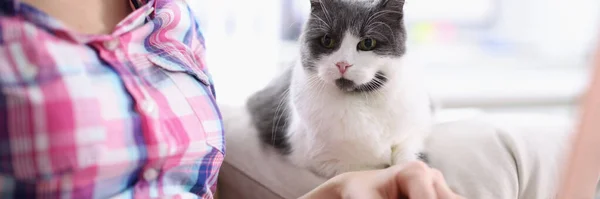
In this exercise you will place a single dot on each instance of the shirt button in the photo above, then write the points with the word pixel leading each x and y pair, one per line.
pixel 148 107
pixel 111 45
pixel 150 174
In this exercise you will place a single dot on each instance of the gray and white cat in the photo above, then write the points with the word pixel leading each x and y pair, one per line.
pixel 349 103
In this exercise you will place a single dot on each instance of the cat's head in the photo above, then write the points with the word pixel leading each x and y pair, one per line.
pixel 354 44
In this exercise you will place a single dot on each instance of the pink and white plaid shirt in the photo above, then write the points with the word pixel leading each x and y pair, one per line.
pixel 126 115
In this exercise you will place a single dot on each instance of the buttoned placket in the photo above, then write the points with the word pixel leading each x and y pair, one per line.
pixel 110 51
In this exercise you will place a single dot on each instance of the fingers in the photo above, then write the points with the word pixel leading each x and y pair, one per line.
pixel 442 189
pixel 416 181
pixel 371 194
pixel 422 188
pixel 413 180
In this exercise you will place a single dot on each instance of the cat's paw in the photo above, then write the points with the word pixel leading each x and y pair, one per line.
pixel 404 156
pixel 404 159
pixel 423 157
pixel 331 168
pixel 328 169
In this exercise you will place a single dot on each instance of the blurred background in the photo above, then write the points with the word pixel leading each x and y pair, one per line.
pixel 500 56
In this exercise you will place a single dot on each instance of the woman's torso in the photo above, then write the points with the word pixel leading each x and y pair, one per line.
pixel 131 112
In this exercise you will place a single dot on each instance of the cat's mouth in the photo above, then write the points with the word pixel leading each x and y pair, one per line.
pixel 348 85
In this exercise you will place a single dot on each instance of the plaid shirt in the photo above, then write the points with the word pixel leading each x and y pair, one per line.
pixel 126 115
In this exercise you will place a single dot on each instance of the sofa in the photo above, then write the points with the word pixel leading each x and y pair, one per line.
pixel 482 155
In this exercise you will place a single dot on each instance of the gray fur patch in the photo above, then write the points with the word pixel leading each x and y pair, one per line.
pixel 270 114
pixel 382 21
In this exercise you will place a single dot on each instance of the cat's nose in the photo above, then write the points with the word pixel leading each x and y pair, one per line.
pixel 343 66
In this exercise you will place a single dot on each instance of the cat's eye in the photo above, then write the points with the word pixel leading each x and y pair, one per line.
pixel 327 41
pixel 367 44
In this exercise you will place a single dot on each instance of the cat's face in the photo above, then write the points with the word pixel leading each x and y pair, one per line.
pixel 354 43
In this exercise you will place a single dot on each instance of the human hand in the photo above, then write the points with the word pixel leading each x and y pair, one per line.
pixel 414 180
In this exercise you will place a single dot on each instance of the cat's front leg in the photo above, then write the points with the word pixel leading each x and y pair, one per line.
pixel 410 143
pixel 332 167
pixel 321 165
pixel 329 169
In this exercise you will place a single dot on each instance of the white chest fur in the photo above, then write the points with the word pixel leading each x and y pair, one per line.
pixel 333 132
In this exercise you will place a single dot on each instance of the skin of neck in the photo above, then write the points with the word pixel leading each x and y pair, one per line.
pixel 86 17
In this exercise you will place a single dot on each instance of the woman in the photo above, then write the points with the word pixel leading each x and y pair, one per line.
pixel 112 98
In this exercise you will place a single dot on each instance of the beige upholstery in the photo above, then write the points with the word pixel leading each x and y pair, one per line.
pixel 482 157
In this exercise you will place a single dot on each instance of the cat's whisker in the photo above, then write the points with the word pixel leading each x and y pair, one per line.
pixel 323 21
pixel 314 81
pixel 277 117
pixel 292 24
pixel 327 15
pixel 285 124
pixel 380 83
pixel 381 13
pixel 370 31
pixel 311 82
pixel 319 92
pixel 380 76
pixel 377 24
pixel 373 17
pixel 321 29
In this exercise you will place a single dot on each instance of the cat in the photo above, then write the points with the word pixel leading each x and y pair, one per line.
pixel 348 103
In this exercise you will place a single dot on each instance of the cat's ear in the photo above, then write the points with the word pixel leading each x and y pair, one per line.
pixel 391 4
